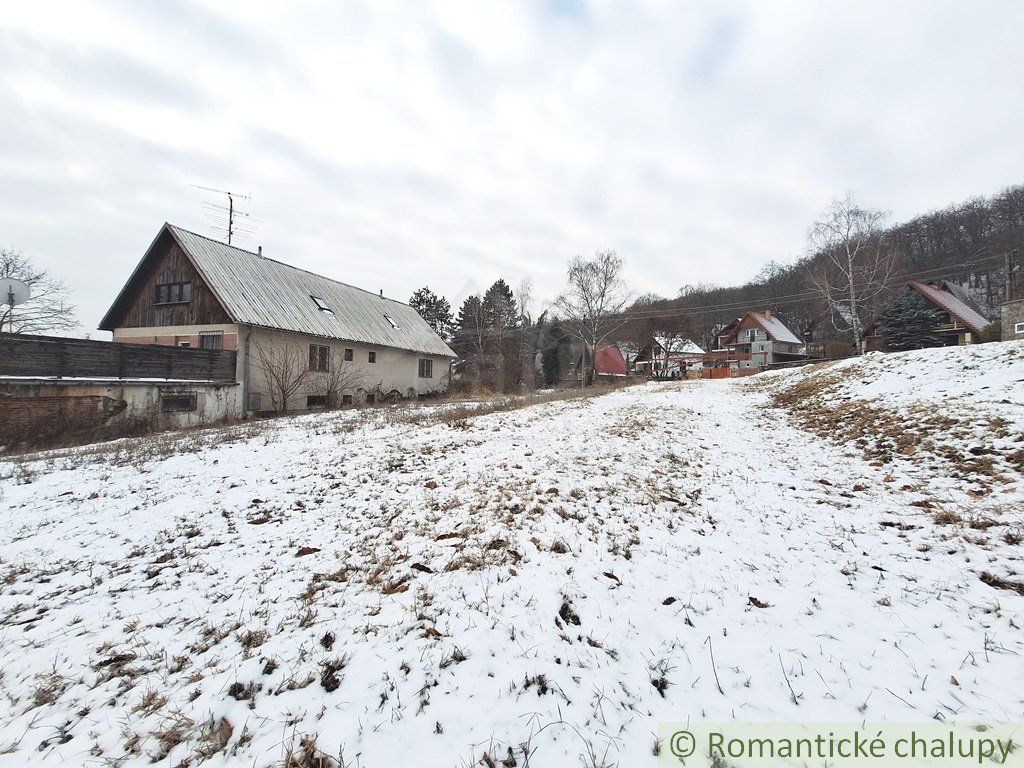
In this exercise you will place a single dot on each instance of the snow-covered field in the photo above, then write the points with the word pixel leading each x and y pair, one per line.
pixel 540 587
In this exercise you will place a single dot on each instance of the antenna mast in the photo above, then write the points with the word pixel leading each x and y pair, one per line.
pixel 217 213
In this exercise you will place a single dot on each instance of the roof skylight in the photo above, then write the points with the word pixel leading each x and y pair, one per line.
pixel 321 304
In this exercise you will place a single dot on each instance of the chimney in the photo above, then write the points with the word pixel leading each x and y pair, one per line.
pixel 382 293
pixel 259 250
pixel 768 314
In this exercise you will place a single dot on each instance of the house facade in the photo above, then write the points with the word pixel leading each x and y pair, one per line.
pixel 756 341
pixel 670 357
pixel 1012 320
pixel 302 340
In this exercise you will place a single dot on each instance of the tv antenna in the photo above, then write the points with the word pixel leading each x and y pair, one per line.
pixel 12 293
pixel 226 219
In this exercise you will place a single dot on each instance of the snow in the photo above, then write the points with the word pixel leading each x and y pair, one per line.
pixel 154 604
pixel 678 346
pixel 776 328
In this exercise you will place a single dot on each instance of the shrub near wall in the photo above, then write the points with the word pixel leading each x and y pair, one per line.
pixel 39 421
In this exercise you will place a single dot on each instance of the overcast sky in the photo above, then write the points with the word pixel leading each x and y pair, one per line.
pixel 396 144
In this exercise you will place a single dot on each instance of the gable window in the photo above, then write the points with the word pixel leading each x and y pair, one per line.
pixel 211 339
pixel 391 321
pixel 319 357
pixel 172 293
pixel 426 368
pixel 321 304
pixel 751 334
pixel 178 402
pixel 348 355
pixel 372 356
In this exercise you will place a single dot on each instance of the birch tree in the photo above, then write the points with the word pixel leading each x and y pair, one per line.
pixel 47 310
pixel 594 301
pixel 850 264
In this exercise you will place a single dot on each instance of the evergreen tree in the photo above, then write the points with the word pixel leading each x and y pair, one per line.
pixel 502 365
pixel 550 358
pixel 435 310
pixel 470 329
pixel 909 322
pixel 500 311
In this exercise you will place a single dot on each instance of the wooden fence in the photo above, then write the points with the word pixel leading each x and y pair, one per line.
pixel 23 355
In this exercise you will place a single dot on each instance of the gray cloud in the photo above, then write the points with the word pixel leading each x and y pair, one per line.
pixel 430 143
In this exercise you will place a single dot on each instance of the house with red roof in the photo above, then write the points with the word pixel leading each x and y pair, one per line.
pixel 959 319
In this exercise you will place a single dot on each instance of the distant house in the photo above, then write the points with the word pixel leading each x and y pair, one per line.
pixel 959 319
pixel 1011 312
pixel 630 352
pixel 609 362
pixel 669 357
pixel 302 340
pixel 721 332
pixel 756 341
pixel 1012 315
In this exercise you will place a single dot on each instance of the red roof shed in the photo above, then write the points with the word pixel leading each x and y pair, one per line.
pixel 609 362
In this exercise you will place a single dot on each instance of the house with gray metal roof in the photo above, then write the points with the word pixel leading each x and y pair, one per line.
pixel 758 340
pixel 303 340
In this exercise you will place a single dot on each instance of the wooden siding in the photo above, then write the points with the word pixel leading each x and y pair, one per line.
pixel 167 264
pixel 22 355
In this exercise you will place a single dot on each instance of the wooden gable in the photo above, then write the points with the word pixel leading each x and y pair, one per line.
pixel 741 325
pixel 137 305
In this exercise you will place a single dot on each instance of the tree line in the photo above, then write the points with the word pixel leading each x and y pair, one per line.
pixel 968 243
pixel 854 264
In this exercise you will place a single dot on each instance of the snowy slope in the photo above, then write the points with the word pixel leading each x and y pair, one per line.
pixel 551 581
pixel 956 412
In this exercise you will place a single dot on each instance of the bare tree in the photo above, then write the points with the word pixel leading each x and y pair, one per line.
pixel 850 264
pixel 594 301
pixel 48 308
pixel 285 367
pixel 339 378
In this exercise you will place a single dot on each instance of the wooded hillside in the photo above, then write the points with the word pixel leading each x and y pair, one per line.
pixel 968 243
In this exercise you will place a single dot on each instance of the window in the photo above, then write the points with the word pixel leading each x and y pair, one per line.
pixel 371 398
pixel 1018 328
pixel 211 339
pixel 185 344
pixel 751 334
pixel 321 305
pixel 255 401
pixel 348 355
pixel 177 402
pixel 346 399
pixel 426 368
pixel 391 320
pixel 173 293
pixel 372 356
pixel 316 401
pixel 319 358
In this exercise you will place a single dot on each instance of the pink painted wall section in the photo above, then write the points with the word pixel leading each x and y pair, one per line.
pixel 229 341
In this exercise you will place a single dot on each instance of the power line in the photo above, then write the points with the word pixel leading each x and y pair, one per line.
pixel 794 297
pixel 741 305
